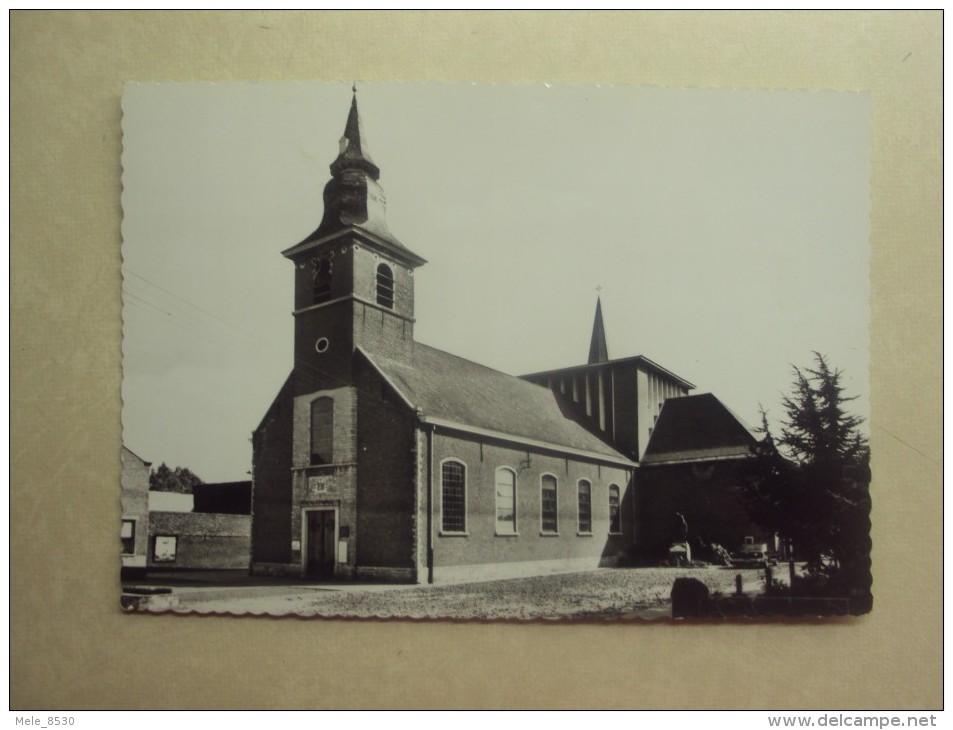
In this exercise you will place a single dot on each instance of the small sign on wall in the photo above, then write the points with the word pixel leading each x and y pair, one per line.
pixel 342 551
pixel 320 485
pixel 164 548
pixel 296 544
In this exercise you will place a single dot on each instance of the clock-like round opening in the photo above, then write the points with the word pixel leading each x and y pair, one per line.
pixel 322 344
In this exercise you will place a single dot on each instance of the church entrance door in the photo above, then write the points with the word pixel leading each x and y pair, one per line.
pixel 319 544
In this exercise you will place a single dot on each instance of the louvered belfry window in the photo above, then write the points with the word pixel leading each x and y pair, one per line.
pixel 385 286
pixel 322 279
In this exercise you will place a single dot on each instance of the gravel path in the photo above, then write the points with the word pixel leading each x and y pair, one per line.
pixel 599 594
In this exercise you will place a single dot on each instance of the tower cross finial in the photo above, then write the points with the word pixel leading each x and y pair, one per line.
pixel 354 87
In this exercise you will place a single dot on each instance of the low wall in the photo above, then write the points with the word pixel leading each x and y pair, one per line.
pixel 202 540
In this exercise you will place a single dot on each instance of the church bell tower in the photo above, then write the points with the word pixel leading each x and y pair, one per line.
pixel 354 283
pixel 353 288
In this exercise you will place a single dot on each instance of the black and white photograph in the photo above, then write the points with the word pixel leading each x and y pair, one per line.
pixel 495 352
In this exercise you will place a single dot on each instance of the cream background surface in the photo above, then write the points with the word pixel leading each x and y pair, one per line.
pixel 72 648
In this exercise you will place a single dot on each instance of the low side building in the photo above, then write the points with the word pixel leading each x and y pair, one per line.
pixel 224 498
pixel 190 541
pixel 209 529
pixel 692 469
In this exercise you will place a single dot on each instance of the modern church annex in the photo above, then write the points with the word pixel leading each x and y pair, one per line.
pixel 384 458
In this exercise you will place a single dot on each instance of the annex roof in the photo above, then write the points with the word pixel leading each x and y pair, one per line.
pixel 697 428
pixel 457 393
pixel 637 360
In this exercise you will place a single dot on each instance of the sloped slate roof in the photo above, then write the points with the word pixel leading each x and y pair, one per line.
pixel 134 454
pixel 456 390
pixel 697 427
pixel 373 231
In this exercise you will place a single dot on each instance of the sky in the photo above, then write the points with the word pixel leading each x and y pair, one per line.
pixel 727 232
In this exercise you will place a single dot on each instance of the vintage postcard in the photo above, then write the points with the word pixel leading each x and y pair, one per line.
pixel 495 352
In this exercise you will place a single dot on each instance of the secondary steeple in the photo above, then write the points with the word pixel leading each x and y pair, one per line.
pixel 598 350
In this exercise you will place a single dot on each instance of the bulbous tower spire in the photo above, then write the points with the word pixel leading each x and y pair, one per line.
pixel 352 196
pixel 352 154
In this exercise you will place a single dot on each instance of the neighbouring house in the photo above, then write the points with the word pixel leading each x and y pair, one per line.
pixel 134 501
pixel 382 457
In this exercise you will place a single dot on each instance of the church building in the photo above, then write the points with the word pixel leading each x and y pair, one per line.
pixel 384 458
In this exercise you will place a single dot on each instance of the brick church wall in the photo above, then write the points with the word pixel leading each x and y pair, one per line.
pixel 329 369
pixel 529 547
pixel 271 485
pixel 381 332
pixel 386 467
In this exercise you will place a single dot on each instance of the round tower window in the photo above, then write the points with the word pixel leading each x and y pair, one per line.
pixel 322 344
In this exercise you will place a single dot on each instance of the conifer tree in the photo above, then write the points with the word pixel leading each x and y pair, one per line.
pixel 811 482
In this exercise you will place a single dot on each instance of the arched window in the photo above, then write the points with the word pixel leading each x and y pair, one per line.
pixel 453 477
pixel 385 286
pixel 548 510
pixel 322 431
pixel 505 501
pixel 615 510
pixel 584 492
pixel 322 279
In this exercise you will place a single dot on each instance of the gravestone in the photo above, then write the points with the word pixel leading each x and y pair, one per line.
pixel 689 598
